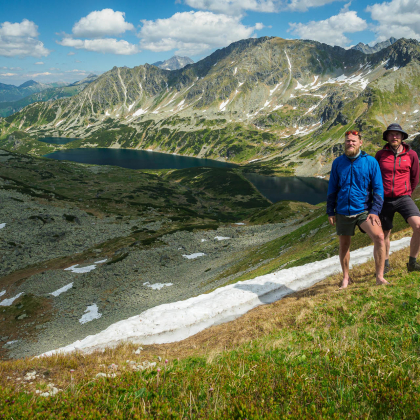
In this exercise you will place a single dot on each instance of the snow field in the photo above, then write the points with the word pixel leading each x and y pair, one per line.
pixel 178 320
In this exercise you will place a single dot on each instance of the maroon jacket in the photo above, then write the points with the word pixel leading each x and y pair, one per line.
pixel 400 174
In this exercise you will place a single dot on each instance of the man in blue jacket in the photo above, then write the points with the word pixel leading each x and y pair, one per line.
pixel 355 197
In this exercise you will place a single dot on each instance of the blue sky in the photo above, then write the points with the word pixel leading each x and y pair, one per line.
pixel 50 41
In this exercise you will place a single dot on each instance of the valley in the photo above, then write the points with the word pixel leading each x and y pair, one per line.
pixel 278 106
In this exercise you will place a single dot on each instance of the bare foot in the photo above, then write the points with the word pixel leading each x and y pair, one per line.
pixel 381 282
pixel 344 283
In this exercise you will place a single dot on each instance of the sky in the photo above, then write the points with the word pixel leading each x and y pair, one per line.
pixel 50 41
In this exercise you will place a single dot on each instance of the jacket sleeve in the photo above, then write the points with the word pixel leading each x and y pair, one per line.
pixel 332 190
pixel 414 174
pixel 377 189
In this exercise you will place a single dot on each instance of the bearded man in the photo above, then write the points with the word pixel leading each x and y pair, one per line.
pixel 355 197
pixel 400 174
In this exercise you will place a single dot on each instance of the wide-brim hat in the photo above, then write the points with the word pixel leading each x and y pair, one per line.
pixel 394 127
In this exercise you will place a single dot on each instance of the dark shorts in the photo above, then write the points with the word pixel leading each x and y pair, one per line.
pixel 403 205
pixel 346 225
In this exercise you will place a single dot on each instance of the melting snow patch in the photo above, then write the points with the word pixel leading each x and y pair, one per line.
pixel 139 112
pixel 62 290
pixel 203 240
pixel 2 225
pixel 223 105
pixel 176 321
pixel 59 122
pixel 221 238
pixel 130 106
pixel 86 269
pixel 157 286
pixel 240 224
pixel 8 302
pixel 277 107
pixel 236 69
pixel 9 343
pixel 275 88
pixel 101 262
pixel 194 256
pixel 3 292
pixel 415 111
pixel 91 313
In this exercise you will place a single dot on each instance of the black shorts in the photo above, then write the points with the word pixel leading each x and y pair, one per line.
pixel 403 205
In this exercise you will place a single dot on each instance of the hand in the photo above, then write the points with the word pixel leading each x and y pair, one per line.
pixel 331 219
pixel 374 219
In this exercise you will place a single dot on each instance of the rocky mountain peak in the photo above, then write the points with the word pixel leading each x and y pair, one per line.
pixel 366 49
pixel 29 83
pixel 174 63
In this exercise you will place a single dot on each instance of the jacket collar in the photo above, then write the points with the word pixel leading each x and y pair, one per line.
pixel 406 146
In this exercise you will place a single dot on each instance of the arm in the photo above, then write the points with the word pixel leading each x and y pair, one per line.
pixel 414 173
pixel 377 189
pixel 332 191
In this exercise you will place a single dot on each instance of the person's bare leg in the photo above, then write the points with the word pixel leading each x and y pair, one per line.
pixel 344 255
pixel 387 238
pixel 377 235
pixel 414 222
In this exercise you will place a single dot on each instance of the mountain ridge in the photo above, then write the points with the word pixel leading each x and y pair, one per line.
pixel 283 102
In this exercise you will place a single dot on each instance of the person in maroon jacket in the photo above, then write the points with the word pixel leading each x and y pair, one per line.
pixel 400 175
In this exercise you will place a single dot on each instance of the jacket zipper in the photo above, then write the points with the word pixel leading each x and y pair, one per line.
pixel 406 189
pixel 393 175
pixel 351 183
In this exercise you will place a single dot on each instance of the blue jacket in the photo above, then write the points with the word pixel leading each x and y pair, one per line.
pixel 355 186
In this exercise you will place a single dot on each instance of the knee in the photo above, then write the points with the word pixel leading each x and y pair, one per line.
pixel 379 238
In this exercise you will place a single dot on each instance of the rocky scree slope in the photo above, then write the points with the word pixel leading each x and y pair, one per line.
pixel 282 105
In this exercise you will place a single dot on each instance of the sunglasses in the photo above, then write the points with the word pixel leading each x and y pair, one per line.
pixel 354 132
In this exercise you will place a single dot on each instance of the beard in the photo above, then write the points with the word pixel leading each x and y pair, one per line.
pixel 352 153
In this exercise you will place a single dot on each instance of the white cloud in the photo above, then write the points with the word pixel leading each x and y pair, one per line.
pixel 102 23
pixel 191 33
pixel 46 73
pixel 8 74
pixel 331 30
pixel 304 5
pixel 232 7
pixel 39 63
pixel 398 18
pixel 20 39
pixel 71 53
pixel 76 71
pixel 105 45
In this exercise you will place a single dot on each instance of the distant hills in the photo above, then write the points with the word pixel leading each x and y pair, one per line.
pixel 364 48
pixel 39 92
pixel 14 93
pixel 174 63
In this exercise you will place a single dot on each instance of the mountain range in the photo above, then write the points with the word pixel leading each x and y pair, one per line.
pixel 14 93
pixel 48 92
pixel 365 48
pixel 279 105
pixel 174 63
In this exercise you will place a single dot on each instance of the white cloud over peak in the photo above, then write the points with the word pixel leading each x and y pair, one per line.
pixel 304 5
pixel 39 63
pixel 330 31
pixel 101 23
pixel 104 45
pixel 234 7
pixel 398 18
pixel 192 33
pixel 20 39
pixel 231 7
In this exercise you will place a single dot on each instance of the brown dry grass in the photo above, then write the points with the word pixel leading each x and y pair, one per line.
pixel 292 313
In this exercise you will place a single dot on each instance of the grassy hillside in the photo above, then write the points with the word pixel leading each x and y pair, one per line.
pixel 315 354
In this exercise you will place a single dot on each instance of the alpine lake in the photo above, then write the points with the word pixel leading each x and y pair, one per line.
pixel 306 189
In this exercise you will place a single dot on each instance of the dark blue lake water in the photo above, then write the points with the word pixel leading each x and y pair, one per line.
pixel 309 190
pixel 57 140
pixel 293 188
pixel 134 159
